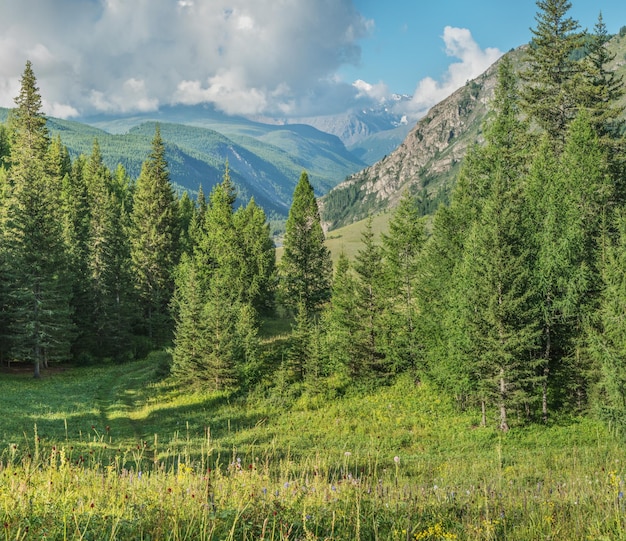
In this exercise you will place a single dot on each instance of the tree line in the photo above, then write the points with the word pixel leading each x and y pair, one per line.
pixel 90 259
pixel 511 298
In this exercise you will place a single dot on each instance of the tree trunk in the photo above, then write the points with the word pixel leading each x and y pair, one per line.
pixel 504 426
pixel 483 407
pixel 546 372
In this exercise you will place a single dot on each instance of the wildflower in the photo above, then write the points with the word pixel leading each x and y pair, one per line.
pixel 347 453
pixel 396 459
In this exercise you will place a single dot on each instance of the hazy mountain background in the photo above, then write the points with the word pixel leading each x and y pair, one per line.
pixel 359 161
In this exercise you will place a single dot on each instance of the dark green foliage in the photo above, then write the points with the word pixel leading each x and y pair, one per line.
pixel 108 261
pixel 600 88
pixel 37 263
pixel 5 148
pixel 256 250
pixel 550 93
pixel 402 249
pixel 340 319
pixel 608 337
pixel 305 268
pixel 220 283
pixel 371 302
pixel 154 242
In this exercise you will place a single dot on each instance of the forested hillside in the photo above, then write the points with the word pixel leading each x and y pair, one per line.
pixel 264 160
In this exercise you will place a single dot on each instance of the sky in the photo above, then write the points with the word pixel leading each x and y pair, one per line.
pixel 281 58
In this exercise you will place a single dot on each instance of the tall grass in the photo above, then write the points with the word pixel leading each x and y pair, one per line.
pixel 127 457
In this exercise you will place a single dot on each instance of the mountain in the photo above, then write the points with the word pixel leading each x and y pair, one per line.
pixel 429 158
pixel 265 160
pixel 369 133
pixel 426 162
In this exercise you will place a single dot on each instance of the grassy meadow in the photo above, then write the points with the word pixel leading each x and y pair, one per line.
pixel 118 452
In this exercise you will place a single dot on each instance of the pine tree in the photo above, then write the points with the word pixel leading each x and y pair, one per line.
pixel 570 196
pixel 371 303
pixel 154 241
pixel 340 319
pixel 550 95
pixel 75 220
pixel 186 212
pixel 218 245
pixel 305 267
pixel 299 345
pixel 402 248
pixel 190 347
pixel 608 337
pixel 500 315
pixel 108 262
pixel 41 310
pixel 257 254
pixel 601 88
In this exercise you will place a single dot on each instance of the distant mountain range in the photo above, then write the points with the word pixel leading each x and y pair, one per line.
pixel 265 157
pixel 359 161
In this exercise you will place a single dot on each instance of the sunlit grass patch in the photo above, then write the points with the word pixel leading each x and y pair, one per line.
pixel 113 452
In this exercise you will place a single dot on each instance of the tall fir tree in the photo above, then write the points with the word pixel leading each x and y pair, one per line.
pixel 154 242
pixel 550 93
pixel 40 293
pixel 340 320
pixel 190 347
pixel 257 253
pixel 108 262
pixel 371 334
pixel 607 337
pixel 599 86
pixel 402 248
pixel 306 266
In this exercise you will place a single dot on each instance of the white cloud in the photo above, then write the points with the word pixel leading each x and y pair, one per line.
pixel 241 55
pixel 473 61
pixel 378 92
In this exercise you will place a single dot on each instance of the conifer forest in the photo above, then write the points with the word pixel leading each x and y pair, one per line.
pixel 510 301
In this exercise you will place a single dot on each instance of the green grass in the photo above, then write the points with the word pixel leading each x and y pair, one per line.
pixel 348 239
pixel 116 452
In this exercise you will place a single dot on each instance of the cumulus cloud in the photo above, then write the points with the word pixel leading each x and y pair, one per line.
pixel 378 92
pixel 243 56
pixel 473 61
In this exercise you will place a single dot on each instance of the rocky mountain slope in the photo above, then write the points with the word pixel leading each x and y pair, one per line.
pixel 428 160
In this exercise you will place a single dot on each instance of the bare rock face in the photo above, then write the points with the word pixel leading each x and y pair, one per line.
pixel 426 160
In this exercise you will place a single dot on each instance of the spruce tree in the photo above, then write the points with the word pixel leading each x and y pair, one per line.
pixel 371 334
pixel 190 344
pixel 108 262
pixel 340 320
pixel 154 241
pixel 500 310
pixel 550 94
pixel 608 336
pixel 40 293
pixel 305 267
pixel 75 220
pixel 257 253
pixel 402 247
pixel 600 87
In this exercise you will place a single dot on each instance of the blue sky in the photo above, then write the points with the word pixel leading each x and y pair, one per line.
pixel 280 58
pixel 406 42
